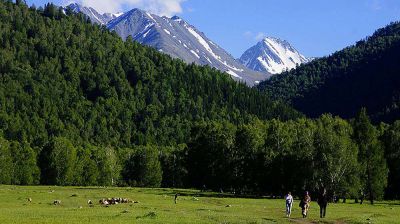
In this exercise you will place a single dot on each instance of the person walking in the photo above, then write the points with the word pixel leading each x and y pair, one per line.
pixel 176 198
pixel 322 202
pixel 289 203
pixel 305 204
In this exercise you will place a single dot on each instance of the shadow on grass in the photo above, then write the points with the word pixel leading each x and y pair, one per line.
pixel 269 220
pixel 196 193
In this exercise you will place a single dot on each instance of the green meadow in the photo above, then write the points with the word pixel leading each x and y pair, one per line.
pixel 157 206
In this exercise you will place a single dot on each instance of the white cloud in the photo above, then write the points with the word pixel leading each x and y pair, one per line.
pixel 260 36
pixel 159 7
pixel 374 4
pixel 190 9
pixel 247 33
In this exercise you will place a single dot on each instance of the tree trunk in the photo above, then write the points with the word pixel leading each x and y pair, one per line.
pixel 356 201
pixel 371 194
pixel 362 198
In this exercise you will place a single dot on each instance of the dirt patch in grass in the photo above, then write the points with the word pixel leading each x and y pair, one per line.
pixel 300 221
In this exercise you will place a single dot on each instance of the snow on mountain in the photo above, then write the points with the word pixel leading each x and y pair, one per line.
pixel 176 37
pixel 93 14
pixel 181 40
pixel 272 55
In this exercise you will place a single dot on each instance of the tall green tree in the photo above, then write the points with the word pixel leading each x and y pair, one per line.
pixel 108 166
pixel 391 140
pixel 58 162
pixel 147 168
pixel 336 155
pixel 24 170
pixel 5 161
pixel 86 169
pixel 209 155
pixel 373 169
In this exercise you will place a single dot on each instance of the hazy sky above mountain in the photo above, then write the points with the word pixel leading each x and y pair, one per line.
pixel 314 27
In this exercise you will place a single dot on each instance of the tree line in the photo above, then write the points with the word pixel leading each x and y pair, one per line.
pixel 350 158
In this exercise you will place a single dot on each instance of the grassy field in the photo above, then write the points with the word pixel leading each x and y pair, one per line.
pixel 157 206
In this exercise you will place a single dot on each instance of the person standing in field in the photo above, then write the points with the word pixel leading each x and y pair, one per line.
pixel 289 203
pixel 305 204
pixel 176 198
pixel 322 202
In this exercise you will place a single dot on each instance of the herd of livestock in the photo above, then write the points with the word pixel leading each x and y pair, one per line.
pixel 103 201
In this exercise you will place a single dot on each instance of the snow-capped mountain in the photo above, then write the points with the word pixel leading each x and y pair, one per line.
pixel 176 37
pixel 93 14
pixel 272 55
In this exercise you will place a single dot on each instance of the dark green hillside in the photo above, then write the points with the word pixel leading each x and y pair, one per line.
pixel 364 75
pixel 79 106
pixel 63 76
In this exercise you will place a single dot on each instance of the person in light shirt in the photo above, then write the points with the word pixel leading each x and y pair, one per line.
pixel 289 203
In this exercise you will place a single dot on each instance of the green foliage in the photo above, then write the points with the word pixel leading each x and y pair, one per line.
pixel 209 155
pixel 391 140
pixel 5 162
pixel 275 157
pixel 58 162
pixel 78 95
pixel 172 161
pixel 362 75
pixel 24 170
pixel 147 167
pixel 336 156
pixel 86 170
pixel 108 166
pixel 373 169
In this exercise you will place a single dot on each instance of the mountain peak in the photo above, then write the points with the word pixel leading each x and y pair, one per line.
pixel 95 16
pixel 179 39
pixel 175 17
pixel 274 39
pixel 273 55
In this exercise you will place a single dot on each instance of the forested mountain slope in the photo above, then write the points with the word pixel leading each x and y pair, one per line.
pixel 63 76
pixel 364 75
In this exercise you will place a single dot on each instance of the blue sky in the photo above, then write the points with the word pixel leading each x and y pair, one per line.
pixel 314 27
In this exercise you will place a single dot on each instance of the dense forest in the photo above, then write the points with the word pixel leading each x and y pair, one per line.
pixel 62 76
pixel 363 75
pixel 79 106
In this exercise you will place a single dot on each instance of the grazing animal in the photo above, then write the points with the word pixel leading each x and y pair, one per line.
pixel 103 202
pixel 30 200
pixel 57 202
pixel 89 202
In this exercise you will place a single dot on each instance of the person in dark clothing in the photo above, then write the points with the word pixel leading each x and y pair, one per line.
pixel 176 198
pixel 322 202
